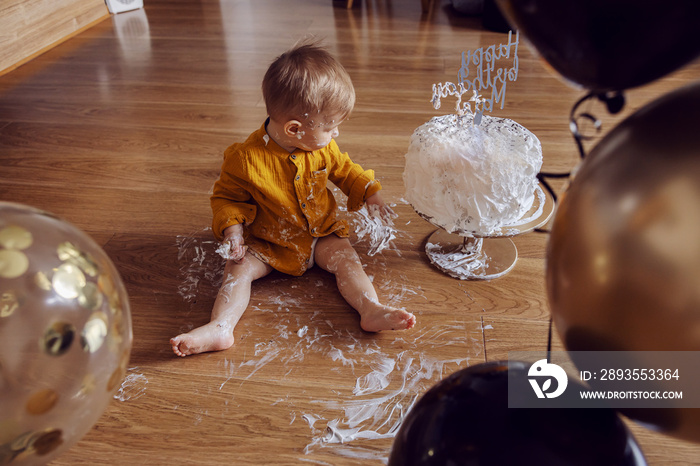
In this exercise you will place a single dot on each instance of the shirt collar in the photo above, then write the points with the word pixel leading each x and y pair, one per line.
pixel 265 141
pixel 269 144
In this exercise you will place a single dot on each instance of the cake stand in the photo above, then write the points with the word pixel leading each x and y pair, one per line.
pixel 470 255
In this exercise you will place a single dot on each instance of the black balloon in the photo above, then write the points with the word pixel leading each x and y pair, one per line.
pixel 465 420
pixel 606 45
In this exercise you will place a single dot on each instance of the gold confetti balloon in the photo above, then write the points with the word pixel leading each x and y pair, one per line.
pixel 65 334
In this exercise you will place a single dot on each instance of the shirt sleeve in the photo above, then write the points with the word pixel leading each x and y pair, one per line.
pixel 358 184
pixel 231 202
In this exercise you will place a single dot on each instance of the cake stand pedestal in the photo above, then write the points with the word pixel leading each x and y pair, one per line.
pixel 475 256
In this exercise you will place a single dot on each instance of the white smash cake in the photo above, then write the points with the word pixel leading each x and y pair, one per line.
pixel 472 179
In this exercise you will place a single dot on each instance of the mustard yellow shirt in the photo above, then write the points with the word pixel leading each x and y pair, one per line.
pixel 282 198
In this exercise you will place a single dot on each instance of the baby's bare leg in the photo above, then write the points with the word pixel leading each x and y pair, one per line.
pixel 229 306
pixel 337 256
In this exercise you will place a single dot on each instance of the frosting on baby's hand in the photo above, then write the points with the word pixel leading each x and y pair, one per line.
pixel 230 252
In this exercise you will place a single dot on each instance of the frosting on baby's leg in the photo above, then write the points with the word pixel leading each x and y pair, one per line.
pixel 337 256
pixel 231 302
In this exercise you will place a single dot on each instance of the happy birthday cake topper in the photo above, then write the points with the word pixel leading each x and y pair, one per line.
pixel 486 77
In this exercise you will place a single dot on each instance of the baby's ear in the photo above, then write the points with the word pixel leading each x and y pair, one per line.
pixel 292 128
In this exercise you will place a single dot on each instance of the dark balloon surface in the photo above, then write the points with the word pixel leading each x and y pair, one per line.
pixel 465 420
pixel 606 45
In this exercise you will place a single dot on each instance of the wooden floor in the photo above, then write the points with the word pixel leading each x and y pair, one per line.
pixel 121 131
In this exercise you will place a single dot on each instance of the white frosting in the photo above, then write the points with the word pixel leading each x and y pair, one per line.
pixel 379 230
pixel 472 179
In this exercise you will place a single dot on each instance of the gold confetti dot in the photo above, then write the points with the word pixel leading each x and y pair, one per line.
pixel 106 284
pixel 42 402
pixel 90 297
pixel 13 263
pixel 47 441
pixel 124 360
pixel 8 304
pixel 116 378
pixel 15 237
pixel 118 326
pixel 68 280
pixel 115 304
pixel 58 338
pixel 88 385
pixel 94 333
pixel 67 252
pixel 115 336
pixel 42 281
pixel 22 443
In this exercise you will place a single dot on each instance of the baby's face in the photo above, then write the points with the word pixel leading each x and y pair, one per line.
pixel 318 134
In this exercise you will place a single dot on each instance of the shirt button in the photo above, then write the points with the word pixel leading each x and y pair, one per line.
pixel 303 205
pixel 297 178
pixel 294 157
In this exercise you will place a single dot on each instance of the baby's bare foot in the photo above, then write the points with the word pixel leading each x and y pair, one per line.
pixel 213 336
pixel 386 318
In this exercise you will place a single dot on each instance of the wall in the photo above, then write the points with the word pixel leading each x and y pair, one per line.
pixel 30 27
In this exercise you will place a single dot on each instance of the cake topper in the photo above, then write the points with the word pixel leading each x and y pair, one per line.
pixel 486 77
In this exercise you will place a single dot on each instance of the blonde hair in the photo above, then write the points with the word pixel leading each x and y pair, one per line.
pixel 304 81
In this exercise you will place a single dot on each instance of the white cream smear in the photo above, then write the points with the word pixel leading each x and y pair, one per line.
pixel 224 250
pixel 378 380
pixel 133 386
pixel 198 263
pixel 372 227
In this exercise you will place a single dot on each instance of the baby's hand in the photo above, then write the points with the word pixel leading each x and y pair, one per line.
pixel 376 206
pixel 232 247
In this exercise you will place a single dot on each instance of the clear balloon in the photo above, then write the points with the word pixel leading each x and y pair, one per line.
pixel 609 45
pixel 65 328
pixel 465 420
pixel 623 260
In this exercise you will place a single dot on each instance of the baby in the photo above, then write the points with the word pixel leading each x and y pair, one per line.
pixel 272 208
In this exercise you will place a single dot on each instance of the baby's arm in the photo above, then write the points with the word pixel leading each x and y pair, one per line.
pixel 358 184
pixel 231 201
